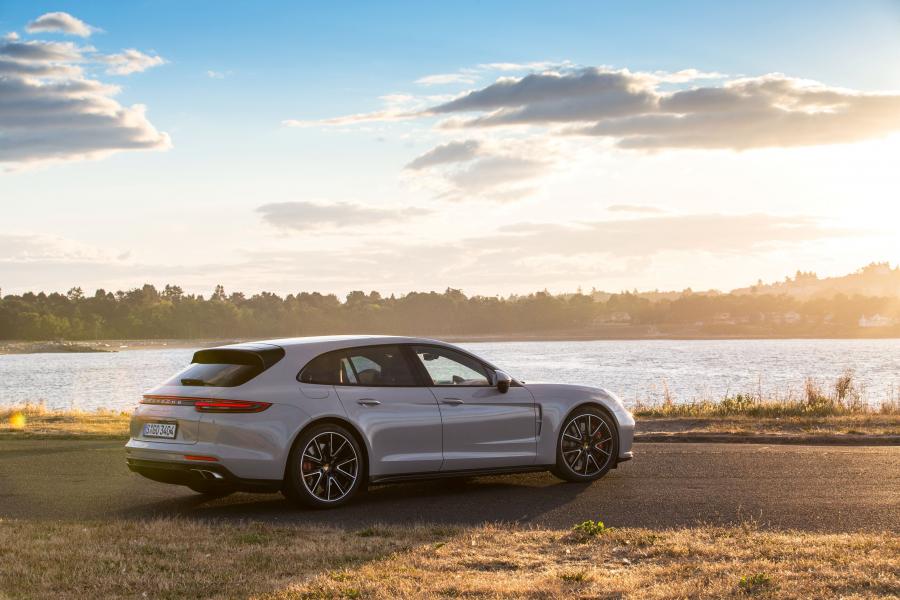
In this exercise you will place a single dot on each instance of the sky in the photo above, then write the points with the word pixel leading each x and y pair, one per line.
pixel 496 148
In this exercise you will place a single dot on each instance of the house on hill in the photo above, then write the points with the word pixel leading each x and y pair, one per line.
pixel 876 320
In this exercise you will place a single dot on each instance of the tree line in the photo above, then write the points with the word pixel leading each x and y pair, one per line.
pixel 149 313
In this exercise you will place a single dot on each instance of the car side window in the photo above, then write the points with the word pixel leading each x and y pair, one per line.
pixel 331 368
pixel 380 366
pixel 448 367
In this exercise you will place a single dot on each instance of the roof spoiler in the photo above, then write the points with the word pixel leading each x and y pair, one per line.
pixel 258 355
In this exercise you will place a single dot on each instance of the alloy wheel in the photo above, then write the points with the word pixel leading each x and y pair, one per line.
pixel 587 444
pixel 329 466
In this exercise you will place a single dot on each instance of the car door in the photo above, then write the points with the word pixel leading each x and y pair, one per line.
pixel 483 428
pixel 400 418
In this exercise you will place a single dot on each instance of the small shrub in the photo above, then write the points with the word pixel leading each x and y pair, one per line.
pixel 368 532
pixel 591 528
pixel 737 405
pixel 815 399
pixel 575 577
pixel 753 583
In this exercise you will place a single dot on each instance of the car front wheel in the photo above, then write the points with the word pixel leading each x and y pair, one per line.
pixel 325 467
pixel 587 447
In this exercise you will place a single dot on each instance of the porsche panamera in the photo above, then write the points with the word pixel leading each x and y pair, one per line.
pixel 321 418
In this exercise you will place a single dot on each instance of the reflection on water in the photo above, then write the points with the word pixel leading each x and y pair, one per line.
pixel 636 370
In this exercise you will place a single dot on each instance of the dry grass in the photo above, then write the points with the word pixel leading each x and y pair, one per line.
pixel 858 424
pixel 843 398
pixel 180 558
pixel 35 421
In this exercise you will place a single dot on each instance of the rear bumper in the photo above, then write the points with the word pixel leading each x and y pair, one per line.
pixel 207 474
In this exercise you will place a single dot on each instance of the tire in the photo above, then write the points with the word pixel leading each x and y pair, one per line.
pixel 594 451
pixel 326 467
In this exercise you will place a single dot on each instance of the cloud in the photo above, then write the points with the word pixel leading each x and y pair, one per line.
pixel 130 61
pixel 758 112
pixel 541 65
pixel 470 75
pixel 634 208
pixel 68 120
pixel 762 112
pixel 487 174
pixel 541 255
pixel 32 247
pixel 372 117
pixel 38 51
pixel 31 69
pixel 50 111
pixel 305 216
pixel 414 107
pixel 446 79
pixel 653 110
pixel 451 152
pixel 684 76
pixel 713 233
pixel 468 169
pixel 60 22
pixel 216 74
pixel 586 95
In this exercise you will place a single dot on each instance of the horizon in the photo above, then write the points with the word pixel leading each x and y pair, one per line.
pixel 297 146
pixel 229 291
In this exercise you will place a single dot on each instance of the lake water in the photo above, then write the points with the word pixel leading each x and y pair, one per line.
pixel 636 370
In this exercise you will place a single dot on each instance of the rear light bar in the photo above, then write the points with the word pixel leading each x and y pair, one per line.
pixel 213 405
pixel 230 406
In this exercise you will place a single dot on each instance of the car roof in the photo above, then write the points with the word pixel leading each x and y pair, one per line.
pixel 303 349
pixel 341 341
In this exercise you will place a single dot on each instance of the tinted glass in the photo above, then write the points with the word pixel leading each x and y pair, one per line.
pixel 448 367
pixel 228 367
pixel 216 374
pixel 331 368
pixel 380 365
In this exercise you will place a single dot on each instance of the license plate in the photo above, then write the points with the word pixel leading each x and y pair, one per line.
pixel 160 430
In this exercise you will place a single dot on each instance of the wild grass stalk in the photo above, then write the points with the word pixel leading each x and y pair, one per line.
pixel 844 397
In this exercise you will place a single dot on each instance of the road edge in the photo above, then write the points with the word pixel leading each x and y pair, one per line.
pixel 844 439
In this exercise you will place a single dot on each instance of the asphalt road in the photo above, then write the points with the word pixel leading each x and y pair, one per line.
pixel 825 488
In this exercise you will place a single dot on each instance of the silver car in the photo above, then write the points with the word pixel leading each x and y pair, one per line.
pixel 320 418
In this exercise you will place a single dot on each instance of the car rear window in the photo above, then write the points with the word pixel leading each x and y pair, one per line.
pixel 227 367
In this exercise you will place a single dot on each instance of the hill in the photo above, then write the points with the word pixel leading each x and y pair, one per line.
pixel 875 280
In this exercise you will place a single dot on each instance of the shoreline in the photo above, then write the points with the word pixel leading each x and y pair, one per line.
pixel 862 429
pixel 100 346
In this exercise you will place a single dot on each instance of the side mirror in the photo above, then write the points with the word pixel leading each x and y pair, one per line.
pixel 502 380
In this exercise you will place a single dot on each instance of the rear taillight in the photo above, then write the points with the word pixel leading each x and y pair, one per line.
pixel 230 406
pixel 208 404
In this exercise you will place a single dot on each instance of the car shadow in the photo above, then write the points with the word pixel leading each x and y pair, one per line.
pixel 508 498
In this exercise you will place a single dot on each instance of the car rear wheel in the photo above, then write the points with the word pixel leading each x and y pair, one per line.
pixel 587 447
pixel 325 468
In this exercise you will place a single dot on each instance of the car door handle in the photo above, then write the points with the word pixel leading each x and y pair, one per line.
pixel 452 401
pixel 368 402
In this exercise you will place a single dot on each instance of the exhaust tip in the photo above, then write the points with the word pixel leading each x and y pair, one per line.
pixel 211 475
